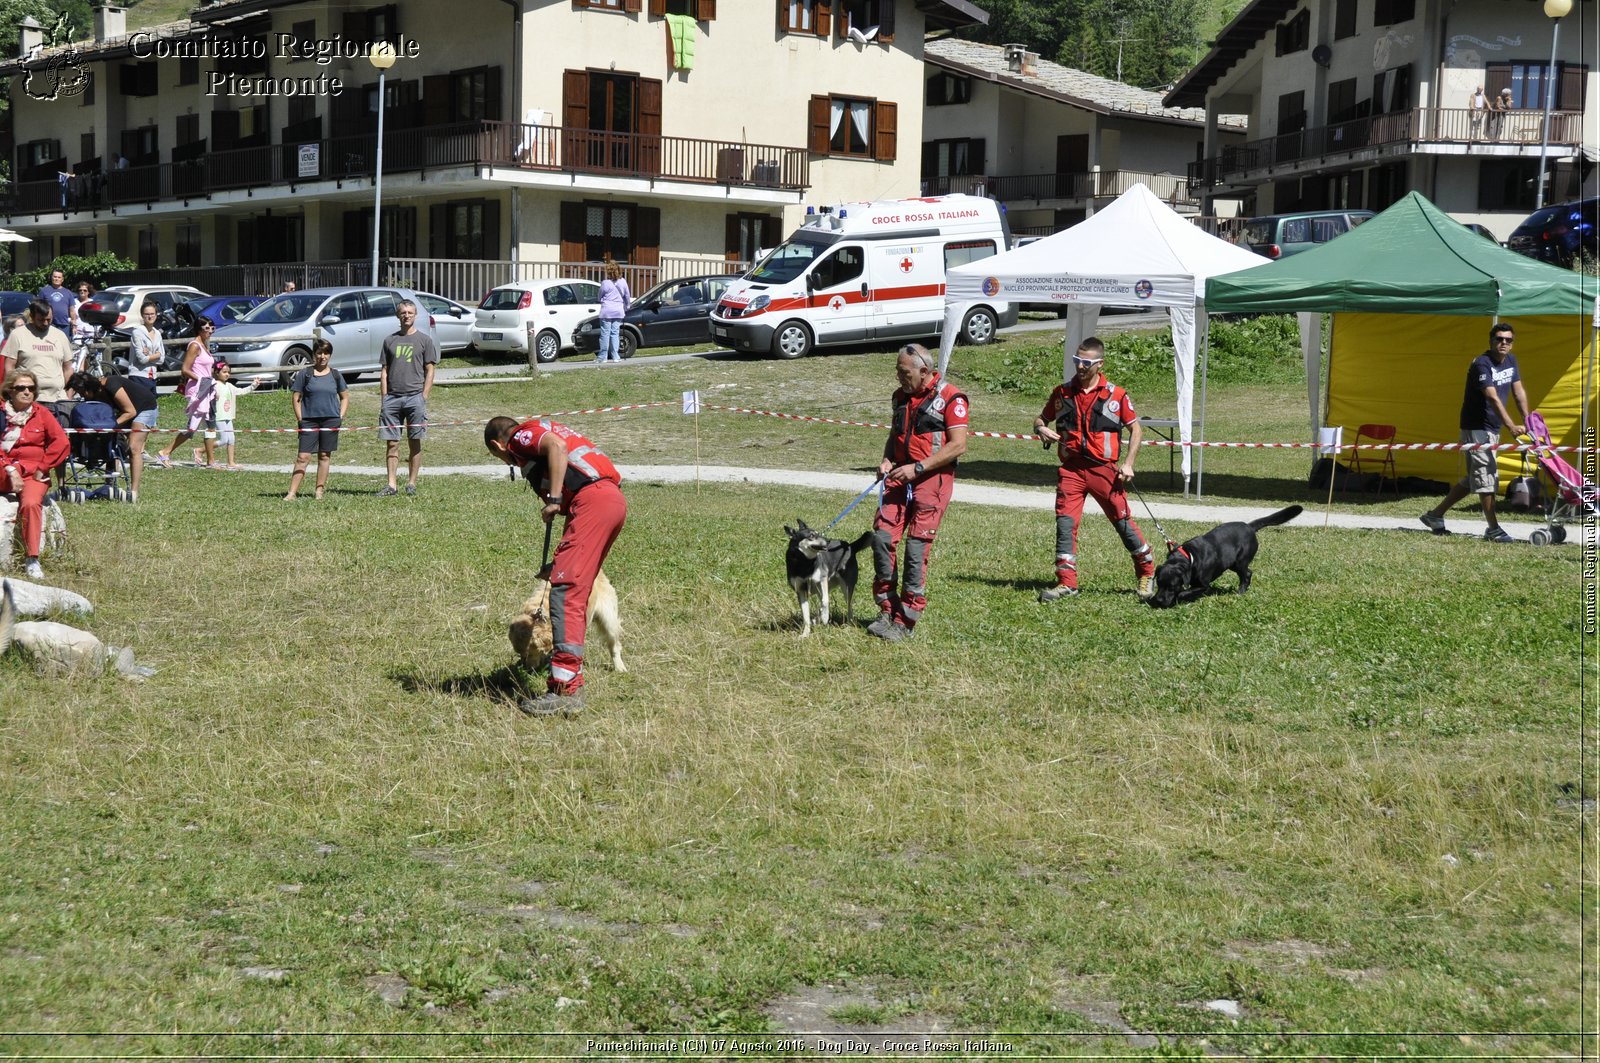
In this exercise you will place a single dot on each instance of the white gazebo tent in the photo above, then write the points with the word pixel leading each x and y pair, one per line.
pixel 1135 252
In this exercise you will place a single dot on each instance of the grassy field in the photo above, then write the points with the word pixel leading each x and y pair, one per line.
pixel 1350 802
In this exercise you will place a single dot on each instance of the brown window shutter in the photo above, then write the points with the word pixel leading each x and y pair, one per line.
pixel 822 16
pixel 437 213
pixel 658 7
pixel 649 160
pixel 771 233
pixel 491 229
pixel 491 95
pixel 782 9
pixel 575 99
pixel 884 131
pixel 647 244
pixel 819 124
pixel 1496 76
pixel 435 99
pixel 730 239
pixel 1574 82
pixel 705 10
pixel 634 6
pixel 574 247
pixel 885 21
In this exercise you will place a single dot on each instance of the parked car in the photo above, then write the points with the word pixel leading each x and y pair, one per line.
pixel 225 310
pixel 15 303
pixel 278 333
pixel 1558 234
pixel 452 322
pixel 674 313
pixel 1481 230
pixel 128 298
pixel 556 306
pixel 1280 235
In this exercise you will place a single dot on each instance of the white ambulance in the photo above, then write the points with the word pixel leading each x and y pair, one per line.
pixel 865 271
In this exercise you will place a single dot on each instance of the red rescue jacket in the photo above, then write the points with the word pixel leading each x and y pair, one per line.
pixel 921 422
pixel 1090 427
pixel 586 463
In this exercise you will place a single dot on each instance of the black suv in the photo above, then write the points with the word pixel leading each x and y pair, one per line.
pixel 675 313
pixel 1557 234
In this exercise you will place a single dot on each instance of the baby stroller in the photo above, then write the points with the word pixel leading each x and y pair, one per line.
pixel 97 466
pixel 1570 497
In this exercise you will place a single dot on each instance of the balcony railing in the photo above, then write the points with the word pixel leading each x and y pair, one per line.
pixel 502 144
pixel 1042 186
pixel 1445 125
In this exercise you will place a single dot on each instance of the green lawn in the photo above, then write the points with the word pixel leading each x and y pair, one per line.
pixel 1351 801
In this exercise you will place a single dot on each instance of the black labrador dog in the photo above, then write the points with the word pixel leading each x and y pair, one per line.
pixel 1195 564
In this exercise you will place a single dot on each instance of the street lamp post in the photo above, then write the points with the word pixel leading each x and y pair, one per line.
pixel 382 57
pixel 1555 11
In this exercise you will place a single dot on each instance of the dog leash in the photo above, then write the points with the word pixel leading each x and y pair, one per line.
pixel 1172 544
pixel 878 483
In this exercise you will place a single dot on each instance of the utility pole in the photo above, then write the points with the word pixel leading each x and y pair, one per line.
pixel 1119 42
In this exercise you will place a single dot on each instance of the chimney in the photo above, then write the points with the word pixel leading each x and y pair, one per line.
pixel 1014 54
pixel 30 37
pixel 110 21
pixel 1030 64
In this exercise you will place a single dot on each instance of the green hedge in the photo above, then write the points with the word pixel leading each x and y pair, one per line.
pixel 93 268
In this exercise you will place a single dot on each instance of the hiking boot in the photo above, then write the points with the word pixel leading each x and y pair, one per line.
pixel 894 632
pixel 32 569
pixel 1146 588
pixel 1055 594
pixel 1497 534
pixel 1432 523
pixel 551 703
pixel 388 492
pixel 876 627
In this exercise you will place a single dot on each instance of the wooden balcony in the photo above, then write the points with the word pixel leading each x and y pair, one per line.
pixel 507 145
pixel 1490 134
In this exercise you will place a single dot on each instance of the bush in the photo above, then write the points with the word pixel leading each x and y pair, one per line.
pixel 94 268
pixel 1261 350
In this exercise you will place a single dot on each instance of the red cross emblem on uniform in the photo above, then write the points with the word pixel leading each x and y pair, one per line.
pixel 905 265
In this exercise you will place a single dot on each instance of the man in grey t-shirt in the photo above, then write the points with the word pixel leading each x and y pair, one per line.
pixel 409 359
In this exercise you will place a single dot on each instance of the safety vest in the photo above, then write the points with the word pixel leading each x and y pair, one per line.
pixel 586 463
pixel 920 423
pixel 1101 438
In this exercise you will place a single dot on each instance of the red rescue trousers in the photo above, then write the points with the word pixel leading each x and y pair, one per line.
pixel 1100 481
pixel 918 521
pixel 597 514
pixel 30 516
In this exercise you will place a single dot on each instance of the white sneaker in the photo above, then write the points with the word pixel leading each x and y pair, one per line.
pixel 32 569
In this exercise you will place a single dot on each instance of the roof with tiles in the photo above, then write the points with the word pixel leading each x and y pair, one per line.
pixel 1057 82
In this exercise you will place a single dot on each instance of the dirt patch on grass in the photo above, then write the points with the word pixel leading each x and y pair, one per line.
pixel 822 1016
pixel 1292 954
pixel 1088 998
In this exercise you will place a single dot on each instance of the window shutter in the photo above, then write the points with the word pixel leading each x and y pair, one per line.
pixel 1496 76
pixel 885 131
pixel 635 6
pixel 647 244
pixel 771 232
pixel 573 244
pixel 437 224
pixel 930 159
pixel 885 21
pixel 975 156
pixel 355 26
pixel 649 125
pixel 491 94
pixel 1574 82
pixel 821 15
pixel 575 99
pixel 706 10
pixel 224 132
pixel 730 239
pixel 658 7
pixel 435 99
pixel 819 124
pixel 782 8
pixel 491 229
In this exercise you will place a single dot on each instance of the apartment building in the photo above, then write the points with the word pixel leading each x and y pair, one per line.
pixel 1049 142
pixel 546 132
pixel 1353 103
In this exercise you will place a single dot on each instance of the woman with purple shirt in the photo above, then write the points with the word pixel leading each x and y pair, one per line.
pixel 614 302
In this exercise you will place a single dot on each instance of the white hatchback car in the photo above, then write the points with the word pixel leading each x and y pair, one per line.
pixel 551 308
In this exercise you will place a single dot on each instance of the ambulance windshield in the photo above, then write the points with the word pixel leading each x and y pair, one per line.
pixel 791 258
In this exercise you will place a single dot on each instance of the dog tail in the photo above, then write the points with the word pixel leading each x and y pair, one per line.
pixel 8 616
pixel 862 541
pixel 1283 516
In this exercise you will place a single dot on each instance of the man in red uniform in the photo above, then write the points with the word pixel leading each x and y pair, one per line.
pixel 1085 419
pixel 927 435
pixel 576 480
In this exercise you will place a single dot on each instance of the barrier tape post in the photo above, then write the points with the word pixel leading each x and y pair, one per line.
pixel 1331 440
pixel 691 405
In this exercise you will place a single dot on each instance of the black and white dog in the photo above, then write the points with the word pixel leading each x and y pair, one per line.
pixel 815 562
pixel 1195 564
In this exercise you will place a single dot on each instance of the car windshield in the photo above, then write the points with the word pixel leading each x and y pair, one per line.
pixel 502 299
pixel 790 259
pixel 122 300
pixel 295 306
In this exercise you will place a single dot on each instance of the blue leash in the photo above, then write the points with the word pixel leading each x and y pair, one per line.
pixel 878 483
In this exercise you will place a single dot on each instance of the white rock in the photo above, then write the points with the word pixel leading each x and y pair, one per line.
pixel 35 599
pixel 1230 1008
pixel 1449 860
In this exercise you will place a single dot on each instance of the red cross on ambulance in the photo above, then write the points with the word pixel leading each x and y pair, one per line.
pixel 906 264
pixel 836 303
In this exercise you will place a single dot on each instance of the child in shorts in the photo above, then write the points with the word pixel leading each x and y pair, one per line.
pixel 225 405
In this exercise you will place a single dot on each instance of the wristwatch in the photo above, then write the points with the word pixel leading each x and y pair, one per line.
pixel 918 468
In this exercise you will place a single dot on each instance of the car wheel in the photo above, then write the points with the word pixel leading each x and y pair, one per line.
pixel 294 359
pixel 546 346
pixel 979 327
pixel 627 343
pixel 791 340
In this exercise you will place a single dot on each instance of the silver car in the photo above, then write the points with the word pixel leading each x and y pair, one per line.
pixel 452 322
pixel 278 333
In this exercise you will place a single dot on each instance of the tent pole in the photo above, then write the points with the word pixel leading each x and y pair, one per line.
pixel 1200 456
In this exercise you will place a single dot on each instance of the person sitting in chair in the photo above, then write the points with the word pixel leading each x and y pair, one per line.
pixel 32 445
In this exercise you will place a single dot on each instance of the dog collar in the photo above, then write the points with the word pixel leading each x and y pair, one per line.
pixel 1181 552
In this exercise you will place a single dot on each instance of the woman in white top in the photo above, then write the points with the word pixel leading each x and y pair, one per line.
pixel 82 331
pixel 147 352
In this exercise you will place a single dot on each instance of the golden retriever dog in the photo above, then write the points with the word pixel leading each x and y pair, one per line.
pixel 530 631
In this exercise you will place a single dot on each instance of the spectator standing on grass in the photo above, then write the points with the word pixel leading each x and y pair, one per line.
pixel 927 436
pixel 1491 377
pixel 615 298
pixel 41 349
pixel 1085 418
pixel 31 445
pixel 146 351
pixel 197 388
pixel 134 400
pixel 58 297
pixel 405 378
pixel 575 479
pixel 320 400
pixel 225 405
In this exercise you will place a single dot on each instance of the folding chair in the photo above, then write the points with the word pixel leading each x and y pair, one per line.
pixel 1382 459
